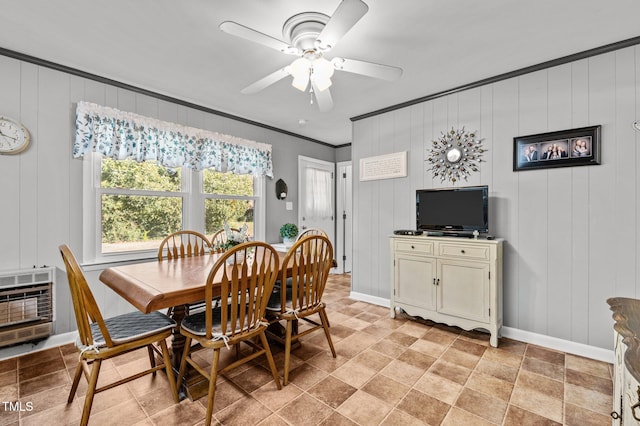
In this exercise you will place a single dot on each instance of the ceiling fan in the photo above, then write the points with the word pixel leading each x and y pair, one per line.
pixel 310 35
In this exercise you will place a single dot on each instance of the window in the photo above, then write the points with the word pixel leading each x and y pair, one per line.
pixel 228 198
pixel 130 206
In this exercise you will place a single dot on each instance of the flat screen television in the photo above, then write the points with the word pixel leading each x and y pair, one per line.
pixel 453 211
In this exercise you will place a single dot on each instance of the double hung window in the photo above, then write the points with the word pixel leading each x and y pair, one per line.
pixel 144 179
pixel 131 206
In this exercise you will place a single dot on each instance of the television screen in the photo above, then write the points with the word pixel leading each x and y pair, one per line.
pixel 453 210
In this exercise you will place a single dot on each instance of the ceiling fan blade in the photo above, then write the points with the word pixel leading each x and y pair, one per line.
pixel 247 33
pixel 346 15
pixel 265 82
pixel 384 72
pixel 323 98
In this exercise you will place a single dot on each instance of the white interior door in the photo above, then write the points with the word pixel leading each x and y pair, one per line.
pixel 344 221
pixel 315 196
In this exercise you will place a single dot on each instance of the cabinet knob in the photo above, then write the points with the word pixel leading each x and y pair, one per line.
pixel 413 247
pixel 462 251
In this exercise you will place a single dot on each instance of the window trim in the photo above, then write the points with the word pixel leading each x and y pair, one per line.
pixel 192 203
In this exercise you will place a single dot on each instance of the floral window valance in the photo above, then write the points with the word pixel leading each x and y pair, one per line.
pixel 119 135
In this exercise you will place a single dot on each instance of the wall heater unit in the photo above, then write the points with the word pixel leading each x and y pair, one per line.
pixel 26 305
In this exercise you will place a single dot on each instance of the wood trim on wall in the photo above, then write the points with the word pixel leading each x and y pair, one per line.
pixel 526 70
pixel 73 71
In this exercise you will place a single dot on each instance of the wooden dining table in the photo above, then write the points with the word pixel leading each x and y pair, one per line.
pixel 160 285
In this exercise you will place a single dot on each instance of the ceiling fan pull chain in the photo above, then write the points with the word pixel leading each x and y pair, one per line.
pixel 311 95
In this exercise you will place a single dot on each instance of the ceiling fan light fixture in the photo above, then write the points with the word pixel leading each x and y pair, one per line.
pixel 300 70
pixel 321 73
pixel 322 84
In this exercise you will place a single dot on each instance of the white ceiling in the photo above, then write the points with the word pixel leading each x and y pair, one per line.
pixel 175 48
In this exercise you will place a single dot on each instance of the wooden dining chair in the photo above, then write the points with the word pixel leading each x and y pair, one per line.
pixel 184 244
pixel 316 231
pixel 217 241
pixel 312 231
pixel 246 274
pixel 100 339
pixel 310 260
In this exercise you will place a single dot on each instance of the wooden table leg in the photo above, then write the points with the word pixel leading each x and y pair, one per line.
pixel 194 385
pixel 177 339
pixel 276 333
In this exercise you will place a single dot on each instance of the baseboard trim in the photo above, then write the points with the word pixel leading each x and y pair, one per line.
pixel 370 299
pixel 567 346
pixel 574 348
pixel 48 343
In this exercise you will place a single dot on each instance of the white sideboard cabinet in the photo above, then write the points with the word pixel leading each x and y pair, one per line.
pixel 456 281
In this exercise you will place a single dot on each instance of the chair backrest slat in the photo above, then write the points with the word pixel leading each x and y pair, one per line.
pixel 184 244
pixel 312 231
pixel 311 260
pixel 247 281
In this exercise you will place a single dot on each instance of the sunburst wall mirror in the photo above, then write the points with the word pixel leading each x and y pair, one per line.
pixel 455 155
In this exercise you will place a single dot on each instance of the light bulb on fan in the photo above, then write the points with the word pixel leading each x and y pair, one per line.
pixel 321 73
pixel 299 70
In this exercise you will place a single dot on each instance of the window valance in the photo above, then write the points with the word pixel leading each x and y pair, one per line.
pixel 119 135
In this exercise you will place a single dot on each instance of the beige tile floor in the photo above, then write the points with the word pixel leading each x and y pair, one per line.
pixel 388 372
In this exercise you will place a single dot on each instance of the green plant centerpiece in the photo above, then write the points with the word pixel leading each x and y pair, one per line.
pixel 289 232
pixel 234 237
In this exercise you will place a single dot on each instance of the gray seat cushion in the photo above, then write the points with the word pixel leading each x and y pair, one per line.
pixel 275 300
pixel 196 323
pixel 132 326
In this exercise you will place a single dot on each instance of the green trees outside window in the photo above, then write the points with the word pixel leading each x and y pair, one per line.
pixel 141 203
pixel 229 199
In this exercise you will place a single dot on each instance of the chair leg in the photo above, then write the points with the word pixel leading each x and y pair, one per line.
pixel 325 324
pixel 183 362
pixel 169 368
pixel 152 359
pixel 91 389
pixel 76 381
pixel 212 385
pixel 272 363
pixel 287 351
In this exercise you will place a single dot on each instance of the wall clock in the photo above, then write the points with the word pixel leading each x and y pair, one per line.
pixel 14 137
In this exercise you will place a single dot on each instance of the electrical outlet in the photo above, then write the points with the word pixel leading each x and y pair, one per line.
pixel 289 205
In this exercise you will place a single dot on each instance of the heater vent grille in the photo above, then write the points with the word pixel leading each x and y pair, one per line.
pixel 26 305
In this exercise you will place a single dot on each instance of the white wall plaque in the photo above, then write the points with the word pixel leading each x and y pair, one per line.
pixel 384 166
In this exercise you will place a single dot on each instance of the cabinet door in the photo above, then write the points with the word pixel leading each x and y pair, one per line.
pixel 463 289
pixel 414 281
pixel 630 398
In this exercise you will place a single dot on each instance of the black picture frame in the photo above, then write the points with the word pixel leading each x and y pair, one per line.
pixel 564 148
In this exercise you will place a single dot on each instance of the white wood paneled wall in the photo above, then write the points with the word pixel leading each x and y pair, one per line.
pixel 572 234
pixel 41 189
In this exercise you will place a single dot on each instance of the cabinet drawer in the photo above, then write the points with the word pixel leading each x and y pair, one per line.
pixel 417 247
pixel 461 251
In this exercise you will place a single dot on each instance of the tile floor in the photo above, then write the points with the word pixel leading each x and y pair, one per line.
pixel 388 372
